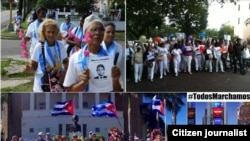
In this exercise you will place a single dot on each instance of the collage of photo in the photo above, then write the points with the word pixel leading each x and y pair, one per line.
pixel 123 70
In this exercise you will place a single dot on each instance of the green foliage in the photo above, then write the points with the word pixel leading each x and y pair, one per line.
pixel 226 29
pixel 27 87
pixel 120 35
pixel 4 64
pixel 50 4
pixel 190 16
pixel 211 33
pixel 6 5
pixel 143 17
pixel 5 33
pixel 86 6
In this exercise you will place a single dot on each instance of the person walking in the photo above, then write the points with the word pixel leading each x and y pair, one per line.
pixel 48 58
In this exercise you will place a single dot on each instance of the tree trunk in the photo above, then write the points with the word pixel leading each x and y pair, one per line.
pixel 20 7
pixel 173 118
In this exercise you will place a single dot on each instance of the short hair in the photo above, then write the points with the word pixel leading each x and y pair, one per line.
pixel 44 24
pixel 83 16
pixel 100 65
pixel 39 9
pixel 110 24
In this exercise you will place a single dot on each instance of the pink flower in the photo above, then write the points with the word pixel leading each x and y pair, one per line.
pixel 71 35
pixel 86 53
pixel 87 37
pixel 21 33
pixel 25 54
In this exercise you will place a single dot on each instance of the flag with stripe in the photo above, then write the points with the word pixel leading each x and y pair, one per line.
pixel 104 109
pixel 158 105
pixel 63 108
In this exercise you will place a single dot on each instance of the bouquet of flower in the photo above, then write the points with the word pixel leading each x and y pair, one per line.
pixel 23 45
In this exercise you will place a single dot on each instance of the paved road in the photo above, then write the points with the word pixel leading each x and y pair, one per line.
pixel 199 81
pixel 10 49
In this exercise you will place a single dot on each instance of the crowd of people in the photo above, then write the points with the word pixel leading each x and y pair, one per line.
pixel 60 54
pixel 114 134
pixel 159 58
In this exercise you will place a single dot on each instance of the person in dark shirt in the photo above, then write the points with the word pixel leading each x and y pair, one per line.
pixel 237 56
pixel 75 127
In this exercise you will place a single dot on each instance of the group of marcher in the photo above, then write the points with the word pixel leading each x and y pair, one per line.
pixel 59 54
pixel 176 56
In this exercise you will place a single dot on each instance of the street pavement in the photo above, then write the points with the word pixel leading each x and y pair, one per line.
pixel 196 82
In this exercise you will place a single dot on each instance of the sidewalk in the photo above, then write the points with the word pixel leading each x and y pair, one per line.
pixel 14 69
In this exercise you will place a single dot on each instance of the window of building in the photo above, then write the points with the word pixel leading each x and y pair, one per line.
pixel 85 104
pixel 249 6
pixel 47 130
pixel 31 130
pixel 238 20
pixel 238 7
pixel 42 105
pixel 68 129
pixel 97 129
pixel 84 130
pixel 60 129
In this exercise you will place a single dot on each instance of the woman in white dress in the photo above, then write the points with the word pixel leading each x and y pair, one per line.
pixel 176 52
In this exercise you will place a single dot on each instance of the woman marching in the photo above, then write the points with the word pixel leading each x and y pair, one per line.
pixel 49 56
pixel 78 75
pixel 149 57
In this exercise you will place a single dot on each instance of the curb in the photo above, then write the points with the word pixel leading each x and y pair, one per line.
pixel 8 38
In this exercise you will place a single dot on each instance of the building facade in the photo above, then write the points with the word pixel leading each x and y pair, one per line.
pixel 30 113
pixel 215 114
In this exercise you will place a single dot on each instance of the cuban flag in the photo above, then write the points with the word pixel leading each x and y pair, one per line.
pixel 63 108
pixel 104 109
pixel 158 105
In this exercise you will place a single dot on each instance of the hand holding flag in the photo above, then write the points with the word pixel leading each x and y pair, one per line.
pixel 158 105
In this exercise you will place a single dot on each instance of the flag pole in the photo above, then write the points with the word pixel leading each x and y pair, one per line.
pixel 165 118
pixel 129 110
pixel 74 106
pixel 157 119
pixel 119 122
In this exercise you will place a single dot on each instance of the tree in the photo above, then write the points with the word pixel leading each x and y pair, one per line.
pixel 174 103
pixel 226 29
pixel 211 33
pixel 85 7
pixel 25 6
pixel 190 16
pixel 142 17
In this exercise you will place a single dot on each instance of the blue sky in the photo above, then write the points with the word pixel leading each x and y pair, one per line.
pixel 200 109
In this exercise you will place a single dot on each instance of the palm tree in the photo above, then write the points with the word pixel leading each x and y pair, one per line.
pixel 174 102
